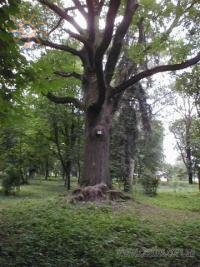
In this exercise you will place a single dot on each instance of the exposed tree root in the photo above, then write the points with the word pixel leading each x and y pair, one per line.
pixel 99 192
pixel 117 195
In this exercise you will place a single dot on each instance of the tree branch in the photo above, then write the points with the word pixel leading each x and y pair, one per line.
pixel 101 3
pixel 69 74
pixel 150 72
pixel 141 38
pixel 108 33
pixel 56 26
pixel 78 37
pixel 80 8
pixel 65 100
pixel 143 106
pixel 66 48
pixel 62 13
pixel 174 24
pixel 91 21
pixel 121 31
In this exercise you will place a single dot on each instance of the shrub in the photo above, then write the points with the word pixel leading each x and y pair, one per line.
pixel 11 180
pixel 150 183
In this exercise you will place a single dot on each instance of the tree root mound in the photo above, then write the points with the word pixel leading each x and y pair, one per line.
pixel 99 192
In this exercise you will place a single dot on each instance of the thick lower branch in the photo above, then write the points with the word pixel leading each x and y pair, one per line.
pixel 149 72
pixel 66 48
pixel 65 100
pixel 69 74
pixel 78 37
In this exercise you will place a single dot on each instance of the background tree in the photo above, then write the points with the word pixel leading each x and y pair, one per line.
pixel 66 128
pixel 182 130
pixel 150 157
pixel 123 142
pixel 195 136
pixel 189 83
pixel 12 63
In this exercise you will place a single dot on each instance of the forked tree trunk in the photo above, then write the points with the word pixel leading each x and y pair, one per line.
pixel 96 166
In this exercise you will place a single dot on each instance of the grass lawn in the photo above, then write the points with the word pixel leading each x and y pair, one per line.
pixel 40 228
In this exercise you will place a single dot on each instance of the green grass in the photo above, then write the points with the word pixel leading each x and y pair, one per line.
pixel 40 228
pixel 38 190
pixel 181 201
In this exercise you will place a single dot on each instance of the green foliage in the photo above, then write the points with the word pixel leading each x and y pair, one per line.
pixel 161 20
pixel 150 183
pixel 11 180
pixel 151 149
pixel 186 132
pixel 45 79
pixel 195 136
pixel 29 138
pixel 150 158
pixel 12 64
pixel 123 141
pixel 188 82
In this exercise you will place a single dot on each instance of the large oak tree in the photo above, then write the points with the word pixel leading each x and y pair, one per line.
pixel 100 50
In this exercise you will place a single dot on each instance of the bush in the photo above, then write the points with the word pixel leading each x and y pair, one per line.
pixel 150 184
pixel 11 180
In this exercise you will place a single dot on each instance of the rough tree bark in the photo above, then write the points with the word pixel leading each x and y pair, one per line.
pixel 96 152
pixel 100 97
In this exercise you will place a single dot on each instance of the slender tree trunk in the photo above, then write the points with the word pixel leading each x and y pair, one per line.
pixel 46 169
pixel 190 176
pixel 96 153
pixel 189 151
pixel 198 177
pixel 66 166
pixel 67 170
pixel 79 171
pixel 189 165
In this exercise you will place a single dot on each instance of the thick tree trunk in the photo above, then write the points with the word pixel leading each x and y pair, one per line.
pixel 96 153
